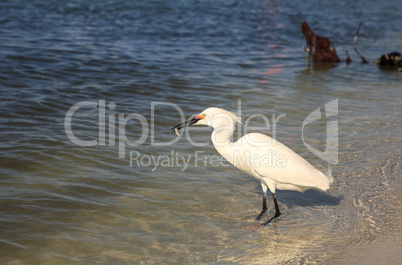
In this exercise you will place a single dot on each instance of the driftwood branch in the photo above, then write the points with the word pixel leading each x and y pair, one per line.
pixel 324 50
pixel 393 59
pixel 355 41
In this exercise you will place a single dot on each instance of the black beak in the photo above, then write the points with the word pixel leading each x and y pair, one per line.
pixel 184 124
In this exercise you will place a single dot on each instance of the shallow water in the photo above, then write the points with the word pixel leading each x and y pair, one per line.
pixel 63 203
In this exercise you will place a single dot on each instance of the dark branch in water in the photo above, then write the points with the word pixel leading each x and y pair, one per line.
pixel 324 50
pixel 393 59
pixel 354 43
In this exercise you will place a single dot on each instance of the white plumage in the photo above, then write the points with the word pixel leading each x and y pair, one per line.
pixel 275 165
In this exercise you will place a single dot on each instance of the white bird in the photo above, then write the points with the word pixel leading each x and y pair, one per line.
pixel 271 162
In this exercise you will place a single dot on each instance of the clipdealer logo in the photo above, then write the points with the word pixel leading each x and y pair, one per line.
pixel 112 131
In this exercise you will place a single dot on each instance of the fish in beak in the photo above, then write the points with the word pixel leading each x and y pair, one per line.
pixel 187 123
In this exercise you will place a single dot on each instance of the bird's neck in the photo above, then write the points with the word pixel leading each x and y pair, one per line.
pixel 221 140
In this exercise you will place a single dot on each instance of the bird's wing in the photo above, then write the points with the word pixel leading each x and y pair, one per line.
pixel 277 162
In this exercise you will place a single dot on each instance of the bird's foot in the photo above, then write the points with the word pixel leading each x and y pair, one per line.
pixel 277 214
pixel 258 218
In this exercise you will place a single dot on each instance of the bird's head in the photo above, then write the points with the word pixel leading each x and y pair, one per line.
pixel 214 117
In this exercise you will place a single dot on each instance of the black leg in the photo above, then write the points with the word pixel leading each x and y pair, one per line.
pixel 277 212
pixel 264 206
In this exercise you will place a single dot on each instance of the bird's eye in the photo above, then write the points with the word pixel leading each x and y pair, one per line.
pixel 203 115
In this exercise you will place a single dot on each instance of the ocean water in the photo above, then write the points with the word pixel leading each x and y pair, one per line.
pixel 125 72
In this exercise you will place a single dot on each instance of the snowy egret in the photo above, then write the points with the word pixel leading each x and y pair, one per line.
pixel 272 163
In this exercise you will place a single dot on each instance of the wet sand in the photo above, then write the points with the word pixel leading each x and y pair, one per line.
pixel 385 250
